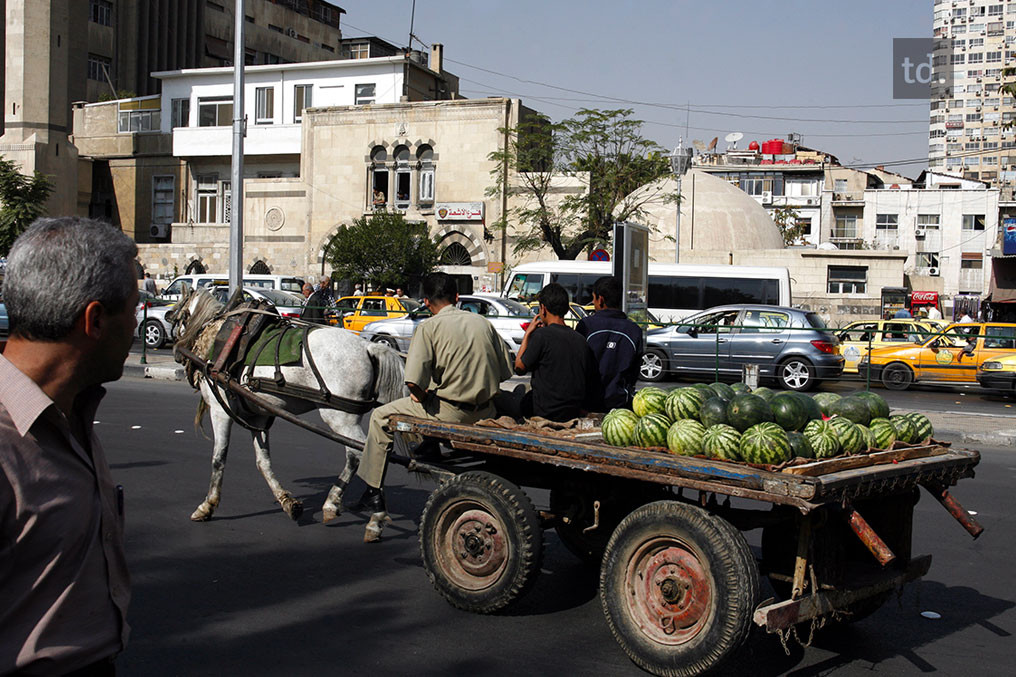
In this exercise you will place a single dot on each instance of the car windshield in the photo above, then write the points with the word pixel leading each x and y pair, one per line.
pixel 516 308
pixel 410 304
pixel 814 321
pixel 278 298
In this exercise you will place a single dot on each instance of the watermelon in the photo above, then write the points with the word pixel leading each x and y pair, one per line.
pixel 684 403
pixel 745 410
pixel 923 425
pixel 724 391
pixel 824 400
pixel 740 388
pixel 765 443
pixel 704 387
pixel 883 432
pixel 823 438
pixel 722 442
pixel 618 427
pixel 649 400
pixel 810 405
pixel 799 445
pixel 906 431
pixel 869 439
pixel 851 438
pixel 852 408
pixel 765 393
pixel 651 430
pixel 685 437
pixel 713 411
pixel 876 404
pixel 789 412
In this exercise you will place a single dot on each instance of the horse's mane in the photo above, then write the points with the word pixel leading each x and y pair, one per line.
pixel 206 307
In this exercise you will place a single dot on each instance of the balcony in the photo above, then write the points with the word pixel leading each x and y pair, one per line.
pixel 218 141
pixel 848 198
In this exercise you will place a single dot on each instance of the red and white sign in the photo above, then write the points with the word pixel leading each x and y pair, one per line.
pixel 459 211
pixel 924 297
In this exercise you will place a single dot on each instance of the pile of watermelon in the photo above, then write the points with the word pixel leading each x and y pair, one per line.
pixel 761 426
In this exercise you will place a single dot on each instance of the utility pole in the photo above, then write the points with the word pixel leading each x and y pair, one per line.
pixel 680 160
pixel 236 176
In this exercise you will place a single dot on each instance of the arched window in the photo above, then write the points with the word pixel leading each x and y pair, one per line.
pixel 379 177
pixel 260 268
pixel 425 159
pixel 195 267
pixel 456 255
pixel 403 177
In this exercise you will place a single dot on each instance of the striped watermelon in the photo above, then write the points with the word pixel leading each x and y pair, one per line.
pixel 800 446
pixel 853 408
pixel 722 442
pixel 810 405
pixel 851 438
pixel 823 438
pixel 722 390
pixel 923 425
pixel 684 403
pixel 883 431
pixel 906 431
pixel 876 404
pixel 649 400
pixel 763 392
pixel 765 443
pixel 745 410
pixel 869 439
pixel 740 388
pixel 713 411
pixel 789 412
pixel 704 387
pixel 618 427
pixel 685 437
pixel 651 430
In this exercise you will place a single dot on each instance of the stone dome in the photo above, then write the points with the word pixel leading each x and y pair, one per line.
pixel 715 217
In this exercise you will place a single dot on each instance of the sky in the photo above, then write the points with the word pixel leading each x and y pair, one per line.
pixel 820 68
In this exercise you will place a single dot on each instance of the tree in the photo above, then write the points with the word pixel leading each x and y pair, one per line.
pixel 22 201
pixel 790 225
pixel 604 145
pixel 384 249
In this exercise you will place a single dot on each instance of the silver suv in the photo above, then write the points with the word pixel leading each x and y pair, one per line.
pixel 790 345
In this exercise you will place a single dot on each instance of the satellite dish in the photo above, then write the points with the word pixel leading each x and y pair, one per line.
pixel 712 144
pixel 699 145
pixel 733 137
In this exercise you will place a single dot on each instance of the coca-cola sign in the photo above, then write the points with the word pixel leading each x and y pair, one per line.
pixel 924 297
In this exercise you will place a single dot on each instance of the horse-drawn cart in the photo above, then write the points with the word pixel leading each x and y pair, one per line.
pixel 679 585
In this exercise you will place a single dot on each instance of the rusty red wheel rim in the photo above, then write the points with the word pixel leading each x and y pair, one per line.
pixel 669 591
pixel 471 545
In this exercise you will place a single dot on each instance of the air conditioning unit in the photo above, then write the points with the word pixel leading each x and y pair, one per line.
pixel 811 201
pixel 920 233
pixel 159 230
pixel 767 197
pixel 933 271
pixel 291 32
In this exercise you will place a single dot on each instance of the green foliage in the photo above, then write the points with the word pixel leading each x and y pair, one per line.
pixel 786 219
pixel 605 145
pixel 383 249
pixel 1008 88
pixel 22 201
pixel 120 94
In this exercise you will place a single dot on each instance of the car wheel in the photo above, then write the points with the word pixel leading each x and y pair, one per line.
pixel 796 374
pixel 654 366
pixel 154 335
pixel 897 376
pixel 387 340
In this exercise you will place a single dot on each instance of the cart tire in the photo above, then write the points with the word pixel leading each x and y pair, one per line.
pixel 481 542
pixel 679 587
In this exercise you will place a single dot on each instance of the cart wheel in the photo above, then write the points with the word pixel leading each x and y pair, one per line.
pixel 481 541
pixel 679 587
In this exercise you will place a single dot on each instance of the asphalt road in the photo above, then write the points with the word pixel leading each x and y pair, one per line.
pixel 253 593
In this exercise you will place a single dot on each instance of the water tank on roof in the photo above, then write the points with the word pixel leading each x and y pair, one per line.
pixel 753 145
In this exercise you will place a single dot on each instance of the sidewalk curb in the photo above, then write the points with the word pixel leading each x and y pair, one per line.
pixel 159 372
pixel 999 438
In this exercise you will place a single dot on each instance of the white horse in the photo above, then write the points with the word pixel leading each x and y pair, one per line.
pixel 350 367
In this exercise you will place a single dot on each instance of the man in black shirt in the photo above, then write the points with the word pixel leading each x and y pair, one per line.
pixel 565 379
pixel 616 342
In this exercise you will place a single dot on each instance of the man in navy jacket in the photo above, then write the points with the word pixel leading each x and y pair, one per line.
pixel 616 342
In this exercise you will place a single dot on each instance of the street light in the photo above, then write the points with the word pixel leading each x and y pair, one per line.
pixel 680 160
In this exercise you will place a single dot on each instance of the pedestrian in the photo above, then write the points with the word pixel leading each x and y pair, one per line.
pixel 455 365
pixel 616 343
pixel 399 293
pixel 317 306
pixel 565 379
pixel 902 313
pixel 966 319
pixel 71 292
pixel 307 290
pixel 150 285
pixel 357 289
pixel 934 313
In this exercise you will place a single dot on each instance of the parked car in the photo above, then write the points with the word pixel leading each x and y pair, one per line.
pixel 508 317
pixel 950 356
pixel 359 311
pixel 153 327
pixel 287 303
pixel 857 337
pixel 792 346
pixel 571 318
pixel 998 374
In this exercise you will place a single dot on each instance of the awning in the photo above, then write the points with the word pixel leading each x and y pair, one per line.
pixel 1003 281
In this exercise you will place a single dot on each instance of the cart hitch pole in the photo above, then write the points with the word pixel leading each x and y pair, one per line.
pixel 871 540
pixel 943 496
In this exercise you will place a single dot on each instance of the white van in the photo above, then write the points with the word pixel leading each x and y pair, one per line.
pixel 198 280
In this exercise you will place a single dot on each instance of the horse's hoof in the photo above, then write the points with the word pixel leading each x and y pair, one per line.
pixel 376 524
pixel 292 507
pixel 201 515
pixel 329 513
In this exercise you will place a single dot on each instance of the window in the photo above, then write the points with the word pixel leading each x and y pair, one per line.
pixel 886 221
pixel 364 94
pixel 264 106
pixel 227 203
pixel 929 221
pixel 215 111
pixel 971 264
pixel 1003 338
pixel 846 226
pixel 216 6
pixel 180 112
pixel 301 100
pixel 250 56
pixel 973 222
pixel 840 185
pixel 207 198
pixel 98 66
pixel 976 58
pixel 327 48
pixel 926 260
pixel 425 156
pixel 162 199
pixel 403 177
pixel 805 224
pixel 847 279
pixel 138 121
pixel 100 12
pixel 277 29
pixel 359 50
pixel 379 177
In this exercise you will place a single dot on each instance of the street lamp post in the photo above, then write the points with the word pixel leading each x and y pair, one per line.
pixel 680 160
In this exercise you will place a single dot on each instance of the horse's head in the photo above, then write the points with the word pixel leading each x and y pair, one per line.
pixel 191 313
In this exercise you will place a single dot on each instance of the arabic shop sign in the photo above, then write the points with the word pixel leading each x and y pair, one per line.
pixel 459 211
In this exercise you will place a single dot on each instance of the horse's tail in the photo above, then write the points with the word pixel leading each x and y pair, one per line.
pixel 199 415
pixel 390 382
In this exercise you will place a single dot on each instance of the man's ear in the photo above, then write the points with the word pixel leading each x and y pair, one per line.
pixel 93 320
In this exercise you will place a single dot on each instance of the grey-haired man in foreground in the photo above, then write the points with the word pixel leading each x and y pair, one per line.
pixel 71 292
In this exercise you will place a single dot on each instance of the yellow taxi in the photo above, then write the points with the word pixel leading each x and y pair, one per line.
pixel 950 356
pixel 998 374
pixel 857 337
pixel 357 311
pixel 571 318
